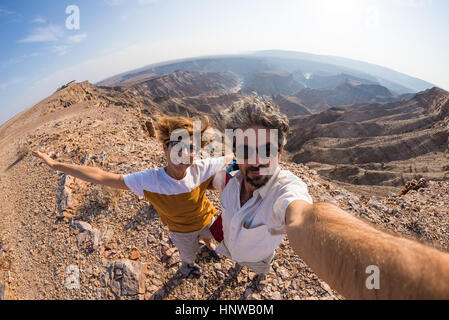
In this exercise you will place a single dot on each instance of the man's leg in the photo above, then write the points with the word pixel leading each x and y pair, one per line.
pixel 261 268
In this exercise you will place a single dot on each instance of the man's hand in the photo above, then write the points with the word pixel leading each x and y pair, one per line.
pixel 48 161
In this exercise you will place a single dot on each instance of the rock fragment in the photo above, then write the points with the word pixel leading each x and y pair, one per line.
pixel 126 278
pixel 87 237
pixel 65 196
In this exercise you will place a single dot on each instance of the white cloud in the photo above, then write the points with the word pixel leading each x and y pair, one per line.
pixel 144 2
pixel 413 3
pixel 120 2
pixel 5 12
pixel 12 82
pixel 39 20
pixel 9 62
pixel 77 38
pixel 114 2
pixel 49 33
pixel 60 50
pixel 18 59
pixel 122 60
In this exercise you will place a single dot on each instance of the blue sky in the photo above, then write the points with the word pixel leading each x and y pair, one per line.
pixel 38 53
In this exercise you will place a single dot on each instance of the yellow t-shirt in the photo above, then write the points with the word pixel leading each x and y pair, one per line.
pixel 181 204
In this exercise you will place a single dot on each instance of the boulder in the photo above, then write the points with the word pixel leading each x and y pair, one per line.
pixel 87 236
pixel 81 226
pixel 283 273
pixel 413 185
pixel 65 197
pixel 126 278
pixel 107 236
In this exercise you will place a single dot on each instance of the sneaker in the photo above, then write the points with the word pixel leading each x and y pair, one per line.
pixel 214 255
pixel 260 277
pixel 233 272
pixel 186 270
pixel 238 267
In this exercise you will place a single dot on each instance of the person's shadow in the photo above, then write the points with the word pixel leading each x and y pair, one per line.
pixel 20 158
pixel 232 278
pixel 142 217
pixel 164 291
pixel 178 278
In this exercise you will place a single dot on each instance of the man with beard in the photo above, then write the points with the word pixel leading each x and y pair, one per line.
pixel 262 203
pixel 255 199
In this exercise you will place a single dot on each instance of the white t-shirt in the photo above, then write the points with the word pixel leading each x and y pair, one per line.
pixel 181 204
pixel 158 181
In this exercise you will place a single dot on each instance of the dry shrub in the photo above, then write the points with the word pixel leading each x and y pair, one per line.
pixel 106 197
pixel 22 151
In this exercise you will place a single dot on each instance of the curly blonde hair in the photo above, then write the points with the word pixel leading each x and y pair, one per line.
pixel 165 126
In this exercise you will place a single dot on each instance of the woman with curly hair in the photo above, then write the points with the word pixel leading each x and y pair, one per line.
pixel 177 191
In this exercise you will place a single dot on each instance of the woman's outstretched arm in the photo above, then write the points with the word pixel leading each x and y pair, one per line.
pixel 89 174
pixel 351 256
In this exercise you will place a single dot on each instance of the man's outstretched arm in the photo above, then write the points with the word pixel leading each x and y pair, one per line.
pixel 339 248
pixel 89 174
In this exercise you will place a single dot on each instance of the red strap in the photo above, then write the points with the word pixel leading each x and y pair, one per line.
pixel 217 227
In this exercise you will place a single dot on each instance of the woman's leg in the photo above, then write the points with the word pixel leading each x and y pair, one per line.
pixel 210 244
pixel 187 245
pixel 207 236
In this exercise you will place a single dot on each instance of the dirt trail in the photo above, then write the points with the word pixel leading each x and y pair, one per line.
pixel 27 218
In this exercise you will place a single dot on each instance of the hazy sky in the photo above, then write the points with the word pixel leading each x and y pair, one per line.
pixel 39 53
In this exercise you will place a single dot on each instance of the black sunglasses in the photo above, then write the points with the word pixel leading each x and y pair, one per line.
pixel 248 151
pixel 189 147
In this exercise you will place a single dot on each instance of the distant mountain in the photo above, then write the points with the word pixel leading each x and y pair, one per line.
pixel 346 93
pixel 182 83
pixel 271 82
pixel 291 106
pixel 242 66
pixel 307 70
pixel 391 79
pixel 320 82
pixel 377 143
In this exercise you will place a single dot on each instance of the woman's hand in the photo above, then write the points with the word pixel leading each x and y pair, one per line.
pixel 89 174
pixel 48 161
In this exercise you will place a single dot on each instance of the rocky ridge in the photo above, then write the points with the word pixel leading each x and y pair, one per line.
pixel 62 238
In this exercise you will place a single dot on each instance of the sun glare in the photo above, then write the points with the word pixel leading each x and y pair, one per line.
pixel 340 7
pixel 336 16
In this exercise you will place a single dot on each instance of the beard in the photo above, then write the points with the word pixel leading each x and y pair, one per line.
pixel 257 181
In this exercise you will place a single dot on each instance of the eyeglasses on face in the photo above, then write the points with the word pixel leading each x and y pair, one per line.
pixel 249 151
pixel 182 146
